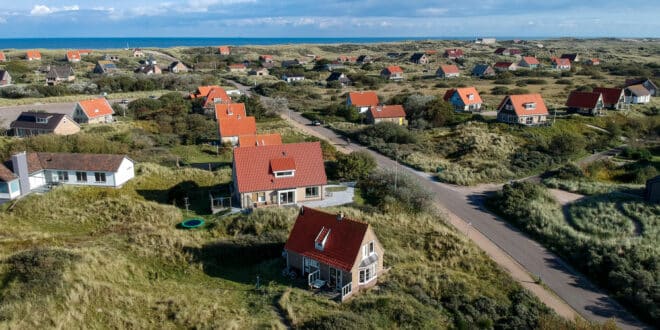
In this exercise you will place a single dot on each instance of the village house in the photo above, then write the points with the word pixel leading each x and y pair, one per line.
pixel 647 83
pixel 26 172
pixel 464 99
pixel 94 111
pixel 58 74
pixel 505 66
pixel 588 103
pixel 347 59
pixel 392 72
pixel 592 61
pixel 224 50
pixel 149 67
pixel 266 58
pixel 137 52
pixel 561 63
pixel 364 59
pixel 613 98
pixel 483 70
pixel 35 123
pixel 33 55
pixel 334 252
pixel 419 58
pixel 523 109
pixel 448 71
pixel 571 57
pixel 3 58
pixel 637 94
pixel 259 72
pixel 529 62
pixel 229 110
pixel 334 66
pixel 72 56
pixel 508 51
pixel 105 67
pixel 84 52
pixel 387 113
pixel 362 100
pixel 283 174
pixel 256 140
pixel 229 129
pixel 453 53
pixel 5 78
pixel 289 78
pixel 237 67
pixel 340 77
pixel 178 67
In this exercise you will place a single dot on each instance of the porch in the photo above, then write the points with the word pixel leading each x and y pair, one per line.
pixel 329 288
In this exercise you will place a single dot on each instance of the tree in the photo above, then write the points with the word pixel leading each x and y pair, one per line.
pixel 439 112
pixel 566 145
pixel 355 166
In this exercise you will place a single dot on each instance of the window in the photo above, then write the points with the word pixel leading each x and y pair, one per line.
pixel 99 177
pixel 470 97
pixel 367 274
pixel 261 197
pixel 367 249
pixel 81 176
pixel 311 192
pixel 283 174
pixel 62 176
pixel 42 120
pixel 530 105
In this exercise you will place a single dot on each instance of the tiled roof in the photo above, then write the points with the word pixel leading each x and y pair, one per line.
pixel 465 92
pixel 363 99
pixel 530 60
pixel 455 52
pixel 394 69
pixel 38 161
pixel 237 66
pixel 561 61
pixel 282 164
pixel 254 140
pixel 237 126
pixel 579 99
pixel 96 107
pixel 638 90
pixel 518 102
pixel 224 49
pixel 449 69
pixel 33 54
pixel 84 51
pixel 253 173
pixel 215 93
pixel 73 55
pixel 229 110
pixel 610 95
pixel 388 111
pixel 203 91
pixel 342 247
pixel 2 56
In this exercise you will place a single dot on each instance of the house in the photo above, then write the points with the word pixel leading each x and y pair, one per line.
pixel 3 58
pixel 453 53
pixel 613 98
pixel 224 50
pixel 593 61
pixel 523 109
pixel 529 62
pixel 72 56
pixel 364 59
pixel 448 71
pixel 333 66
pixel 290 63
pixel 84 52
pixel 35 123
pixel 362 101
pixel 334 251
pixel 293 78
pixel 111 57
pixel 26 172
pixel 259 72
pixel 508 51
pixel 266 58
pixel 340 77
pixel 259 140
pixel 419 58
pixel 652 190
pixel 505 66
pixel 229 110
pixel 214 96
pixel 58 74
pixel 105 67
pixel 561 63
pixel 33 55
pixel 485 41
pixel 571 57
pixel 283 174
pixel 483 70
pixel 394 56
pixel 637 94
pixel 647 83
pixel 94 111
pixel 392 72
pixel 386 113
pixel 346 59
pixel 230 129
pixel 588 103
pixel 431 52
pixel 5 78
pixel 149 68
pixel 237 67
pixel 464 99
pixel 177 67
pixel 137 52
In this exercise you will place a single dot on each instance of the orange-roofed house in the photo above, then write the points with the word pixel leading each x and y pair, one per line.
pixel 73 56
pixel 590 103
pixel 95 111
pixel 448 71
pixel 266 58
pixel 335 252
pixel 362 100
pixel 464 99
pixel 561 63
pixel 2 57
pixel 224 50
pixel 84 52
pixel 529 62
pixel 33 55
pixel 229 110
pixel 523 109
pixel 387 113
pixel 283 174
pixel 392 72
pixel 453 53
pixel 257 140
pixel 230 129
pixel 237 67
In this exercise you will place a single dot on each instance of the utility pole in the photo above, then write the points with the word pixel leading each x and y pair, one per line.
pixel 185 200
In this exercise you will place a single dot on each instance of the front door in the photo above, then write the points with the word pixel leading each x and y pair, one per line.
pixel 287 197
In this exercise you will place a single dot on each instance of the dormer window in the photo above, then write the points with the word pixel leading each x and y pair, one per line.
pixel 529 105
pixel 470 97
pixel 283 167
pixel 283 174
pixel 322 238
pixel 42 120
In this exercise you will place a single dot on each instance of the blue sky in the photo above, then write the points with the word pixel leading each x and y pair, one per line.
pixel 327 18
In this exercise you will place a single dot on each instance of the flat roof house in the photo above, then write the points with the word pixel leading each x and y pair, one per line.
pixel 464 99
pixel 35 123
pixel 362 100
pixel 523 109
pixel 94 111
pixel 335 252
pixel 387 113
pixel 283 174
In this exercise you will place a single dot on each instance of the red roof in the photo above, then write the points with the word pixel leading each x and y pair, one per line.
pixel 388 111
pixel 238 126
pixel 582 99
pixel 252 166
pixel 342 247
pixel 229 110
pixel 518 102
pixel 96 107
pixel 505 65
pixel 224 50
pixel 84 51
pixel 531 60
pixel 611 96
pixel 72 55
pixel 455 52
pixel 394 69
pixel 449 69
pixel 214 94
pixel 2 57
pixel 363 99
pixel 561 61
pixel 203 91
pixel 265 57
pixel 33 54
pixel 282 164
pixel 237 66
pixel 431 52
pixel 464 94
pixel 259 140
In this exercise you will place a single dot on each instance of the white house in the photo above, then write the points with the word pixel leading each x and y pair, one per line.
pixel 637 94
pixel 292 78
pixel 94 111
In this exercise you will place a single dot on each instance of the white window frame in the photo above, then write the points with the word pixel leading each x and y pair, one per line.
pixel 318 192
pixel 100 177
pixel 80 174
pixel 363 272
pixel 285 174
pixel 279 200
pixel 62 176
pixel 368 249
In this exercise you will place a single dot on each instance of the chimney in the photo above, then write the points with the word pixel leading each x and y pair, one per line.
pixel 340 216
pixel 20 167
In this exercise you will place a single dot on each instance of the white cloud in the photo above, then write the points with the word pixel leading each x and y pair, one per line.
pixel 432 11
pixel 3 20
pixel 40 10
pixel 198 6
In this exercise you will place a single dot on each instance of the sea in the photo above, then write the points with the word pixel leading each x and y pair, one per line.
pixel 115 43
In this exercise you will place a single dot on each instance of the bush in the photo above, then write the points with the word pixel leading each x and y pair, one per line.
pixel 564 82
pixel 390 189
pixel 386 132
pixel 38 271
pixel 355 166
pixel 499 90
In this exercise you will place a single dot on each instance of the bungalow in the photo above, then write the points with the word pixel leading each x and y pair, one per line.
pixel 137 52
pixel 362 101
pixel 571 57
pixel 258 72
pixel 293 78
pixel 613 98
pixel 72 56
pixel 2 57
pixel 593 61
pixel 453 53
pixel 33 55
pixel 483 70
pixel 283 174
pixel 364 59
pixel 340 77
pixel 26 172
pixel 589 103
pixel 5 78
pixel 35 123
pixel 386 113
pixel 229 110
pixel 647 83
pixel 333 251
pixel 419 58
pixel 529 62
pixel 224 50
pixel 637 94
pixel 561 63
pixel 505 66
pixel 93 111
pixel 256 140
pixel 392 72
pixel 177 67
pixel 508 51
pixel 523 109
pixel 448 71
pixel 237 67
pixel 266 58
pixel 464 99
pixel 230 129
pixel 58 74
pixel 105 67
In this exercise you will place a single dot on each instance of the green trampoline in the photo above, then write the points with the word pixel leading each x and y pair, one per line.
pixel 192 223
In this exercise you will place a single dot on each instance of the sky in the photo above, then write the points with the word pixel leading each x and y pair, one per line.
pixel 328 18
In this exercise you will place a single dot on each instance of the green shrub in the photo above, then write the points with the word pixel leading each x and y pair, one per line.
pixel 391 189
pixel 38 271
pixel 355 166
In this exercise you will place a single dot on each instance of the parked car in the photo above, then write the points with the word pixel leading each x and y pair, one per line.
pixel 316 123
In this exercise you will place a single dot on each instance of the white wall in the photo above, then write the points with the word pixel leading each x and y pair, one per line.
pixel 125 172
pixel 37 180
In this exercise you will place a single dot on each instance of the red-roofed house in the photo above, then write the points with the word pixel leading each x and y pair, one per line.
pixel 508 51
pixel 464 99
pixel 387 113
pixel 229 110
pixel 613 98
pixel 392 72
pixel 279 174
pixel 259 140
pixel 593 61
pixel 448 71
pixel 529 62
pixel 33 55
pixel 224 50
pixel 561 63
pixel 237 67
pixel 523 109
pixel 334 251
pixel 230 129
pixel 454 53
pixel 93 111
pixel 505 66
pixel 266 58
pixel 362 100
pixel 590 103
pixel 2 57
pixel 73 56
pixel 84 52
